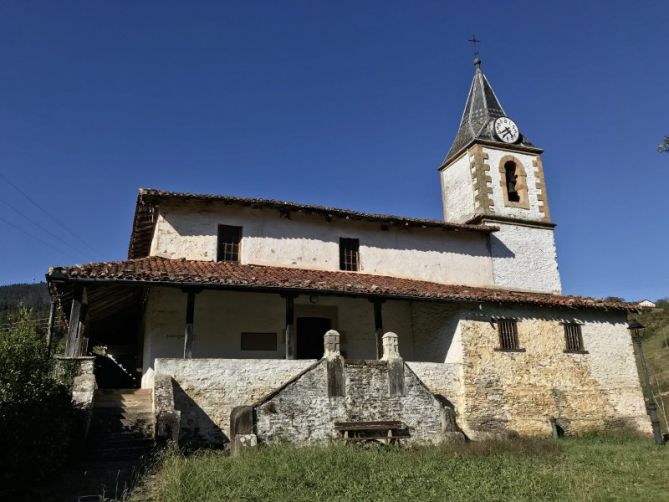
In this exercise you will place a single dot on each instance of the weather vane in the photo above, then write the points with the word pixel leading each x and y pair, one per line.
pixel 475 41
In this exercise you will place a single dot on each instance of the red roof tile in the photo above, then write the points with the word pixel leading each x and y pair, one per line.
pixel 256 277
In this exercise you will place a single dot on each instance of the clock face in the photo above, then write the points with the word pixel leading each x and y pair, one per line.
pixel 506 130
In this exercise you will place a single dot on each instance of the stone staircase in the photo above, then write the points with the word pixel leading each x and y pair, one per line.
pixel 120 439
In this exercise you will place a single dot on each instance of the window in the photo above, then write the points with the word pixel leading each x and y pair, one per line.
pixel 508 334
pixel 258 341
pixel 511 181
pixel 573 337
pixel 229 239
pixel 349 254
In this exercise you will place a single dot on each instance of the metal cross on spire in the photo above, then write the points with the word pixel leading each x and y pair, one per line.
pixel 475 41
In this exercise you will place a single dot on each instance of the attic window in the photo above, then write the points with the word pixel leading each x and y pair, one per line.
pixel 349 254
pixel 573 338
pixel 229 239
pixel 508 334
pixel 511 181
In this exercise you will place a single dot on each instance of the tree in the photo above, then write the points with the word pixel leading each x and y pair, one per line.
pixel 664 146
pixel 36 413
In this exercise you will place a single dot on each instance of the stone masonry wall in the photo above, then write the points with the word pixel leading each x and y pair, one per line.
pixel 206 390
pixel 521 391
pixel 302 412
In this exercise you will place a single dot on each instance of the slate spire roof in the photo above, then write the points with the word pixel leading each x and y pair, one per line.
pixel 481 110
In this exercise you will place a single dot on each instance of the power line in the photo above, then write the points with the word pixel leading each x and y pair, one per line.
pixel 24 231
pixel 38 206
pixel 42 228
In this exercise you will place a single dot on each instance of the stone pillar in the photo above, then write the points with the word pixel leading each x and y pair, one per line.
pixel 331 343
pixel 391 348
pixel 242 435
pixel 334 363
pixel 391 354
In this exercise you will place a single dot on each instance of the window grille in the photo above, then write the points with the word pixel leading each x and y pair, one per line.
pixel 229 239
pixel 349 254
pixel 508 334
pixel 573 337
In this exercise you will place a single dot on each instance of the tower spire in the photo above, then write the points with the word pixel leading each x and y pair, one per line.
pixel 481 110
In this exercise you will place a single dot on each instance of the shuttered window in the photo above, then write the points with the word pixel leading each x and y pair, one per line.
pixel 508 334
pixel 349 254
pixel 573 337
pixel 229 240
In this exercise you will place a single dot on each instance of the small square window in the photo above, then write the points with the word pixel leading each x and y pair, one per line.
pixel 349 254
pixel 229 240
pixel 573 337
pixel 258 341
pixel 508 334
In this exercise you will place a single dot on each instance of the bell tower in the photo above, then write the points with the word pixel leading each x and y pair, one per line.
pixel 493 175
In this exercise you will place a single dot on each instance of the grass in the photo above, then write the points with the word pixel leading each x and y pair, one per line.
pixel 593 468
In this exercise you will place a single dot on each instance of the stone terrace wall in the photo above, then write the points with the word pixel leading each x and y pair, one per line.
pixel 302 412
pixel 206 391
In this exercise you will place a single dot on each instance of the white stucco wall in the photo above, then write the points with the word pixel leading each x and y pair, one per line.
pixel 222 316
pixel 311 242
pixel 525 258
pixel 458 191
pixel 536 206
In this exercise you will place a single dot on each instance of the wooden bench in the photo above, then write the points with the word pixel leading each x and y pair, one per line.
pixel 386 432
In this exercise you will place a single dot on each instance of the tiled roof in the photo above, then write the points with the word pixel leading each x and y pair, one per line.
pixel 229 275
pixel 148 199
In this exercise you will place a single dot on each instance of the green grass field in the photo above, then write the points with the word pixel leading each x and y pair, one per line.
pixel 594 468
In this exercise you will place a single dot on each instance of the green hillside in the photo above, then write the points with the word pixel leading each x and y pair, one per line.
pixel 656 349
pixel 35 296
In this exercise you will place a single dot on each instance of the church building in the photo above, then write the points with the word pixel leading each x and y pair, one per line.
pixel 311 322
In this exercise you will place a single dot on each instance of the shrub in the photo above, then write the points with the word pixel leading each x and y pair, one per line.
pixel 36 414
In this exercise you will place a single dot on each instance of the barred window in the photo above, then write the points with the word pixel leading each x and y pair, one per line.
pixel 508 334
pixel 349 254
pixel 229 239
pixel 573 337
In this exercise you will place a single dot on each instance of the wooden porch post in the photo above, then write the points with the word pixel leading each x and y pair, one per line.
pixel 49 331
pixel 76 328
pixel 378 326
pixel 190 318
pixel 291 345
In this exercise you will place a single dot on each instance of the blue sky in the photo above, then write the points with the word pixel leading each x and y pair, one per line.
pixel 349 104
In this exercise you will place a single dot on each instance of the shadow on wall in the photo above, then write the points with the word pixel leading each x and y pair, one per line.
pixel 196 427
pixel 498 249
pixel 269 224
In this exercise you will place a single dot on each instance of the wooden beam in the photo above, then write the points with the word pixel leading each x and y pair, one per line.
pixel 291 342
pixel 76 328
pixel 49 331
pixel 190 318
pixel 378 326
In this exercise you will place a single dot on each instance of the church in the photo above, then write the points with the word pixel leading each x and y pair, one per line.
pixel 264 320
